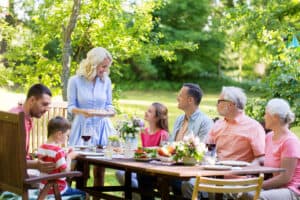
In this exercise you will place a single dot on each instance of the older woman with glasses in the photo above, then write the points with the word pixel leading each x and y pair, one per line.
pixel 282 150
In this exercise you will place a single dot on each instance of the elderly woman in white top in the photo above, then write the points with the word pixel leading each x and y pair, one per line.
pixel 91 89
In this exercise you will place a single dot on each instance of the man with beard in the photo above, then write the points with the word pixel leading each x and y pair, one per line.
pixel 36 104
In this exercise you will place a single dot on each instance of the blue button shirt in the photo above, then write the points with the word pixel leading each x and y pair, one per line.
pixel 199 124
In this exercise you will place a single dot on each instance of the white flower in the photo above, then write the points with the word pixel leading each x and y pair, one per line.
pixel 130 135
pixel 201 147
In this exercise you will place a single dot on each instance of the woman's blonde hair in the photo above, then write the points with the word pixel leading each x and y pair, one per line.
pixel 94 57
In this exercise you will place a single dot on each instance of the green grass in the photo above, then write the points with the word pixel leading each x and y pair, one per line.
pixel 296 130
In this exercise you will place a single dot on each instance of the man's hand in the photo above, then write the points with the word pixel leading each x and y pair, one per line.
pixel 45 167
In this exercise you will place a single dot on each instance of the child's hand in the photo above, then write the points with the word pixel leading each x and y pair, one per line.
pixel 72 155
pixel 69 150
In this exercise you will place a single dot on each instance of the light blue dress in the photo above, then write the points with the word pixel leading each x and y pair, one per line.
pixel 85 94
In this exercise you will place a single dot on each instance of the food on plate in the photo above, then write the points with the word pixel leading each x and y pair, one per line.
pixel 166 151
pixel 145 153
pixel 118 149
pixel 101 112
pixel 171 149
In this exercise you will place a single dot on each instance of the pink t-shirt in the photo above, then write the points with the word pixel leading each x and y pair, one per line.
pixel 242 139
pixel 286 147
pixel 54 154
pixel 28 125
pixel 150 140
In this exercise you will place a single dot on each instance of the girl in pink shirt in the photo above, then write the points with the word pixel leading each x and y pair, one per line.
pixel 282 150
pixel 157 118
pixel 157 132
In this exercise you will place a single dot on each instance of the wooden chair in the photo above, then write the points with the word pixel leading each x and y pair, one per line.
pixel 216 185
pixel 13 173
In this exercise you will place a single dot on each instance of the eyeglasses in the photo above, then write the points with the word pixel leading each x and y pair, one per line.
pixel 223 100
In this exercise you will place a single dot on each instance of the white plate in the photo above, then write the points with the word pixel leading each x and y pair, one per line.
pixel 79 147
pixel 233 163
pixel 143 159
pixel 216 167
pixel 102 113
pixel 164 158
pixel 90 153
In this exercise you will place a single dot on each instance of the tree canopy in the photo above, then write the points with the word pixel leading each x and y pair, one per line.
pixel 167 40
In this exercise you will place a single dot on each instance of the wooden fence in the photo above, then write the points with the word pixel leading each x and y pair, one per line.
pixel 38 134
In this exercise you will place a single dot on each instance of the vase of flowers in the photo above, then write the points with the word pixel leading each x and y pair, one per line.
pixel 114 140
pixel 190 151
pixel 129 128
pixel 189 160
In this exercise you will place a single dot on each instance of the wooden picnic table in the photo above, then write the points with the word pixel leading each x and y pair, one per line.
pixel 163 172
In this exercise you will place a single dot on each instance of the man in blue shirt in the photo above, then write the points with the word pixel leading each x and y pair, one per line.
pixel 193 121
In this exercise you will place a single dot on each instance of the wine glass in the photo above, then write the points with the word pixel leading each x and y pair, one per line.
pixel 211 155
pixel 87 134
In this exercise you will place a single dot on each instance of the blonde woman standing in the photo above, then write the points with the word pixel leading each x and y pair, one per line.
pixel 91 89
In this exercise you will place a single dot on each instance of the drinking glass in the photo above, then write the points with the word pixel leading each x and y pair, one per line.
pixel 108 151
pixel 164 141
pixel 189 135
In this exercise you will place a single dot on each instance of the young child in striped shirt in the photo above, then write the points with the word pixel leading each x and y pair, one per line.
pixel 51 151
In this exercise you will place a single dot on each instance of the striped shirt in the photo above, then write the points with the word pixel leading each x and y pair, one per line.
pixel 55 154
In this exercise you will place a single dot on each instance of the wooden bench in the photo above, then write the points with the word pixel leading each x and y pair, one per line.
pixel 38 134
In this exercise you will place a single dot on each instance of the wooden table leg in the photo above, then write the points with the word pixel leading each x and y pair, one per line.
pixel 128 190
pixel 81 182
pixel 163 185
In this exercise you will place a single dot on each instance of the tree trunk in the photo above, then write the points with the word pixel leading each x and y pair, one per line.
pixel 240 65
pixel 10 18
pixel 67 47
